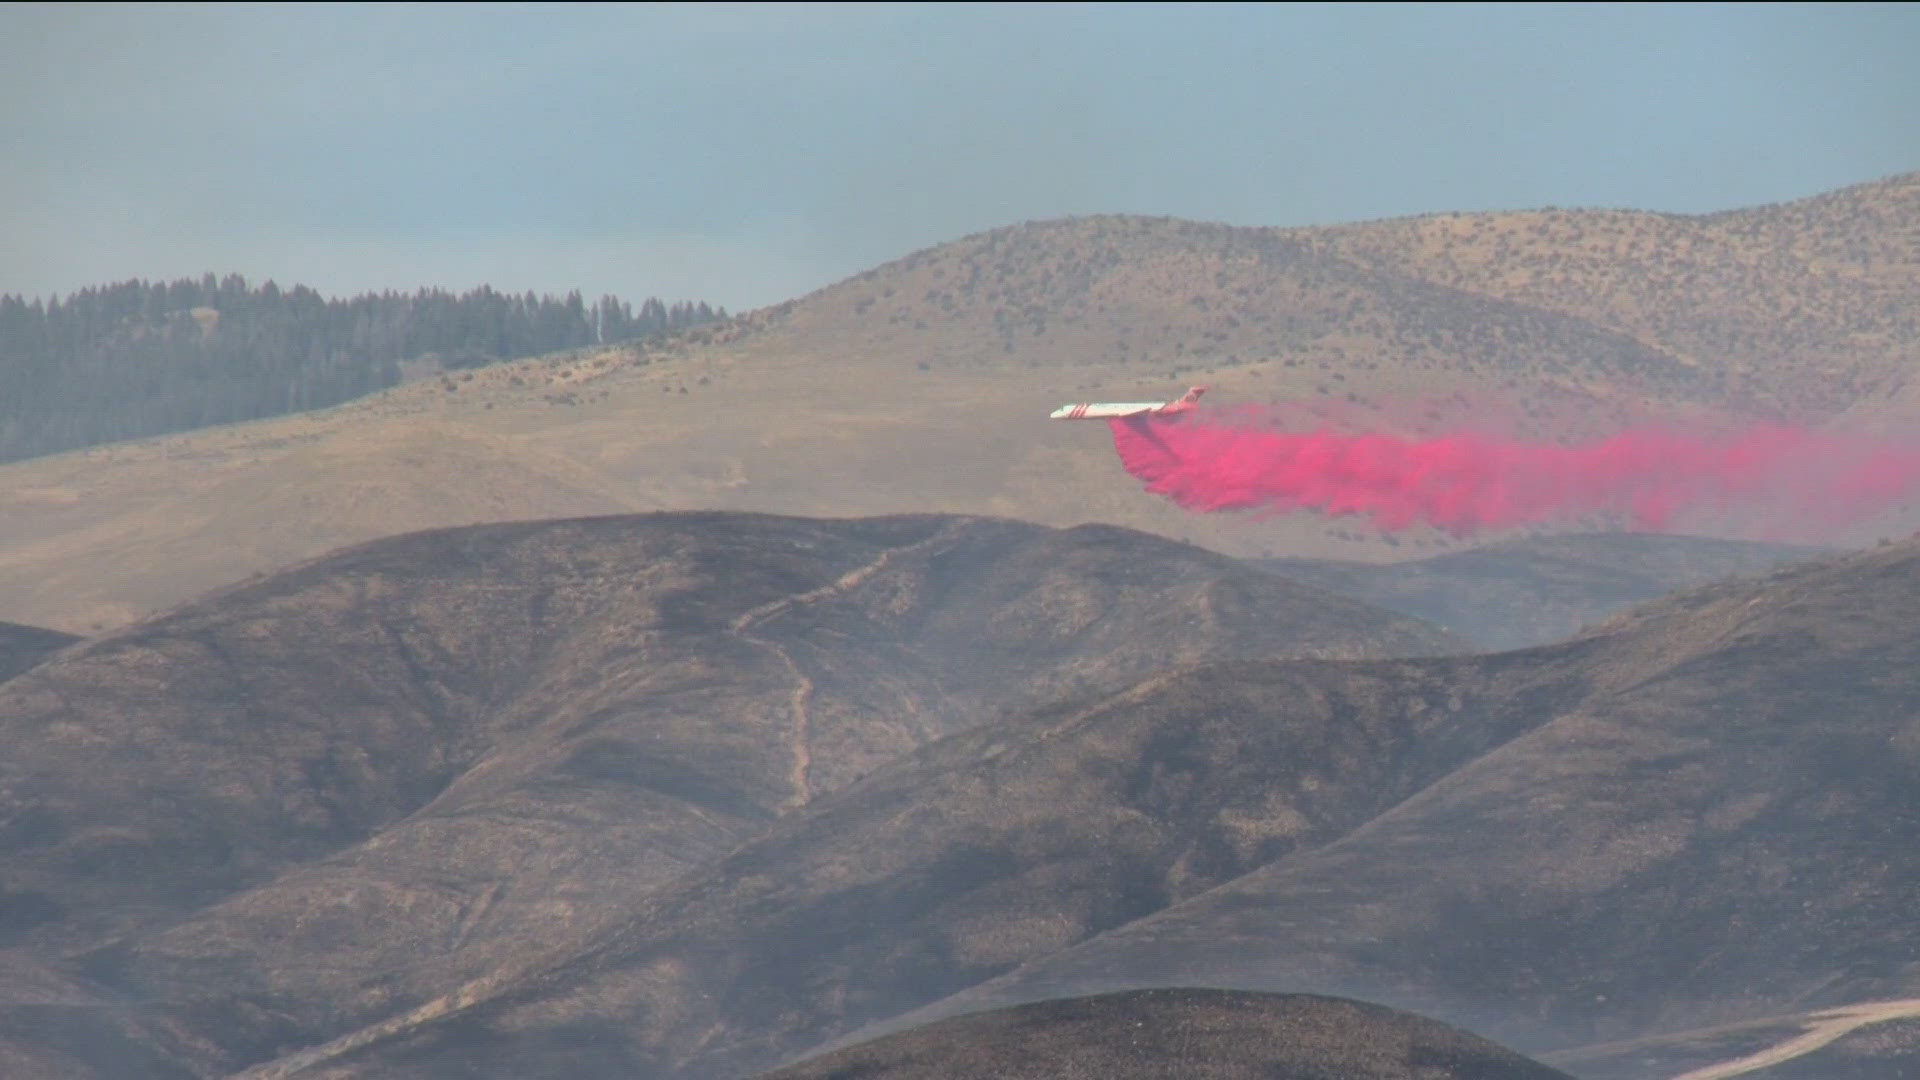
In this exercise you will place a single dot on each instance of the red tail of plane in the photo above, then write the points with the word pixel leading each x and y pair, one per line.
pixel 1187 400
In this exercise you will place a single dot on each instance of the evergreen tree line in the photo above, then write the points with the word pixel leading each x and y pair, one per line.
pixel 145 358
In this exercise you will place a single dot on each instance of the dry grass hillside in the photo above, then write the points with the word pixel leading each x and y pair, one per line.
pixel 921 386
pixel 1810 303
pixel 1181 297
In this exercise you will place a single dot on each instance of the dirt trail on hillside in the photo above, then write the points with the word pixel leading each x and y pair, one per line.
pixel 1828 1026
pixel 486 987
pixel 802 726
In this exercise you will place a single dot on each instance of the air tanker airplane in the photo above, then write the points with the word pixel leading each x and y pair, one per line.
pixel 1110 409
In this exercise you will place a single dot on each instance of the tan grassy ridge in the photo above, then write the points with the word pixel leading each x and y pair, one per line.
pixel 922 385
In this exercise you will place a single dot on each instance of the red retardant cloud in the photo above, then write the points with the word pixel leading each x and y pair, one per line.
pixel 1465 483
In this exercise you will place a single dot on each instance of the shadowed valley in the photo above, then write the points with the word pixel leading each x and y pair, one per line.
pixel 21 647
pixel 1539 590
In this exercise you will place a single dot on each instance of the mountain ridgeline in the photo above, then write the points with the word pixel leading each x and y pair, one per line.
pixel 923 385
pixel 1183 1033
pixel 146 358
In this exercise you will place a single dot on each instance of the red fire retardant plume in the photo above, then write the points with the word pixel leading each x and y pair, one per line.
pixel 1465 483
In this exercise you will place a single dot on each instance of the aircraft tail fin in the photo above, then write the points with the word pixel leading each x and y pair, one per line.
pixel 1187 400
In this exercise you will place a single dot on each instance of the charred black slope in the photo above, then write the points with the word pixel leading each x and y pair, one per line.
pixel 1720 828
pixel 1695 814
pixel 317 798
pixel 1535 591
pixel 1012 840
pixel 21 647
pixel 1179 1034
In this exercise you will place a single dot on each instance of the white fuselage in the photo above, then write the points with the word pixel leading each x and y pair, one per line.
pixel 1108 410
pixel 1097 410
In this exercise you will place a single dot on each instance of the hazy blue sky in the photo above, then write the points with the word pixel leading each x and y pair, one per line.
pixel 745 155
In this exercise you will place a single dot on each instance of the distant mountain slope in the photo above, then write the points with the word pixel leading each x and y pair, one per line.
pixel 1537 590
pixel 1184 295
pixel 21 647
pixel 310 800
pixel 1812 299
pixel 1801 305
pixel 1204 1034
pixel 148 543
pixel 139 358
pixel 921 386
